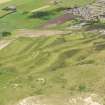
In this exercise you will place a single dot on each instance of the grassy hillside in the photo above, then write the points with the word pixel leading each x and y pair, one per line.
pixel 70 64
pixel 24 18
pixel 73 3
pixel 60 65
pixel 21 18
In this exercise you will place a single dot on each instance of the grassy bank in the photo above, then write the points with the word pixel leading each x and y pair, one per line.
pixel 70 64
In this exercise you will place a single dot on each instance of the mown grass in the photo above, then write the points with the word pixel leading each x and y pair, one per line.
pixel 67 64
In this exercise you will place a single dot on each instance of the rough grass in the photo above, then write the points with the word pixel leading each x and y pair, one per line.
pixel 67 64
pixel 73 3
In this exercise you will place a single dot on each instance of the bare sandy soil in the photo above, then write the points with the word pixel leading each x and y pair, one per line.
pixel 38 33
pixel 4 1
pixel 79 100
pixel 4 43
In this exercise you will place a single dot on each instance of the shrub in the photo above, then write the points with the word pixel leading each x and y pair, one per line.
pixel 5 34
pixel 82 88
pixel 25 12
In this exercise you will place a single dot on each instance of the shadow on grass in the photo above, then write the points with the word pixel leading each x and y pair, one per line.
pixel 6 14
pixel 60 63
pixel 42 15
pixel 94 26
pixel 86 62
pixel 7 71
pixel 100 47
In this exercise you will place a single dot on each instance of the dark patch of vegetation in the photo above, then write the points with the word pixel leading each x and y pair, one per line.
pixel 41 60
pixel 70 53
pixel 45 15
pixel 6 33
pixel 25 12
pixel 98 43
pixel 82 57
pixel 58 41
pixel 57 65
pixel 39 92
pixel 7 14
pixel 82 88
pixel 86 62
pixel 100 47
pixel 60 63
pixel 6 71
pixel 73 88
pixel 88 41
pixel 95 25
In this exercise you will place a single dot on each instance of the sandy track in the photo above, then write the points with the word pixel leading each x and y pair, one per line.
pixel 78 100
pixel 4 43
pixel 4 1
pixel 38 33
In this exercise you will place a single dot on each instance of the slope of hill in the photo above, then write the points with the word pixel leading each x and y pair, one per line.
pixel 24 18
pixel 58 65
pixel 38 66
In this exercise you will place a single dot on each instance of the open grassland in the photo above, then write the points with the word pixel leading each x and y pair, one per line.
pixel 65 63
pixel 24 18
pixel 58 65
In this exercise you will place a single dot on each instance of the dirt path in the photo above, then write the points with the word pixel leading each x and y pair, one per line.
pixel 38 33
pixel 4 43
pixel 41 8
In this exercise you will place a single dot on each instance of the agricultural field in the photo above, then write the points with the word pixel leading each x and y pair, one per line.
pixel 48 57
